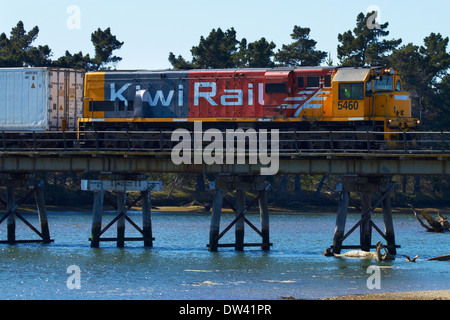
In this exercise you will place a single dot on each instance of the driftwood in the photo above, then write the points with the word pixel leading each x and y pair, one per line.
pixel 439 225
pixel 206 206
pixel 440 258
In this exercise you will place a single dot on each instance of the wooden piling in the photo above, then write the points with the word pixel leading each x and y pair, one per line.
pixel 121 201
pixel 340 221
pixel 147 220
pixel 366 227
pixel 42 212
pixel 389 226
pixel 264 213
pixel 97 219
pixel 11 222
pixel 215 220
pixel 240 224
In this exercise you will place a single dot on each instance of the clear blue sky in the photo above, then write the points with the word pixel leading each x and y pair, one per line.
pixel 151 29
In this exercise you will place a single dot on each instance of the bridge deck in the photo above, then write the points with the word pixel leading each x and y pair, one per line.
pixel 299 153
pixel 305 163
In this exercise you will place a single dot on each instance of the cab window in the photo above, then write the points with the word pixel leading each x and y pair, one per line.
pixel 351 91
pixel 398 86
pixel 312 82
pixel 369 88
pixel 275 88
pixel 383 83
pixel 327 83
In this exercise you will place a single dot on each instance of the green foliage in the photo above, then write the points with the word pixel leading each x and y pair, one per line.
pixel 179 62
pixel 105 43
pixel 363 46
pixel 302 52
pixel 256 54
pixel 424 71
pixel 18 51
pixel 76 61
pixel 216 50
pixel 221 50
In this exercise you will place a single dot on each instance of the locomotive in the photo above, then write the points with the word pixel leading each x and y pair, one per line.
pixel 304 99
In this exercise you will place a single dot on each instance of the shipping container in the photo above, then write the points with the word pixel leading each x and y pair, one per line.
pixel 40 99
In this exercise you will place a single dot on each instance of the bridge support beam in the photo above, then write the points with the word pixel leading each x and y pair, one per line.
pixel 241 184
pixel 367 186
pixel 121 187
pixel 13 183
pixel 341 219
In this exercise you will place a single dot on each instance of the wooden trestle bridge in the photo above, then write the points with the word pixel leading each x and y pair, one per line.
pixel 365 160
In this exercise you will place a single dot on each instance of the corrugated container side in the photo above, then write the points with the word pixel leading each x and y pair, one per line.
pixel 66 98
pixel 24 99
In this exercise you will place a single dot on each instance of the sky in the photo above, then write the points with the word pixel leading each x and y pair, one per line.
pixel 151 29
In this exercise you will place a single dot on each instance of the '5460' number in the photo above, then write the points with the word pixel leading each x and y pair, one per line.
pixel 348 105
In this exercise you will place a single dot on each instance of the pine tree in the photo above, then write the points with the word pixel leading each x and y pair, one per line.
pixel 17 50
pixel 424 70
pixel 302 52
pixel 215 51
pixel 104 44
pixel 363 46
pixel 259 54
pixel 221 50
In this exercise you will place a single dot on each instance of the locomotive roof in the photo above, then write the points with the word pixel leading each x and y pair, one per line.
pixel 218 70
pixel 352 74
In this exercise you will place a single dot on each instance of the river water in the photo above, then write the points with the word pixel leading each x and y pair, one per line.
pixel 179 266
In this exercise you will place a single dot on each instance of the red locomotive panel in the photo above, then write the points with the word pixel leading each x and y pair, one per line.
pixel 225 94
pixel 253 93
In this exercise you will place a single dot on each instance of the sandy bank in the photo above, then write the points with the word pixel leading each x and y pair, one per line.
pixel 416 295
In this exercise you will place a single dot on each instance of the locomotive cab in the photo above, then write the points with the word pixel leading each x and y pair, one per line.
pixel 375 96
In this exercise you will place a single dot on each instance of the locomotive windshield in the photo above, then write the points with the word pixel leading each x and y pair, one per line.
pixel 383 83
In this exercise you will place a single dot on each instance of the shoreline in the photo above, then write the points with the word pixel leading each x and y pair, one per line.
pixel 410 295
pixel 304 209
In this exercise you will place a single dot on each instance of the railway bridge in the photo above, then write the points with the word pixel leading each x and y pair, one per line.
pixel 120 160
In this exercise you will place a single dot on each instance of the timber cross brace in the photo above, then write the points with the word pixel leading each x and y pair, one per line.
pixel 367 186
pixel 37 188
pixel 240 220
pixel 120 218
pixel 100 188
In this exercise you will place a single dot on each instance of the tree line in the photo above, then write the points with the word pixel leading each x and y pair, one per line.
pixel 17 50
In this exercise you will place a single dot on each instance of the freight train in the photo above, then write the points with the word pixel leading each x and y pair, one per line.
pixel 300 99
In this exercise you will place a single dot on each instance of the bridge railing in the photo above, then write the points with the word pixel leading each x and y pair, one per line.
pixel 289 142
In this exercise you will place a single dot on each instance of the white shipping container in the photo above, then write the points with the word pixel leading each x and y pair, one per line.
pixel 40 98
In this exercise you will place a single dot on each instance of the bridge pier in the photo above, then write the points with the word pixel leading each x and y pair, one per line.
pixel 241 184
pixel 121 187
pixel 14 182
pixel 367 186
